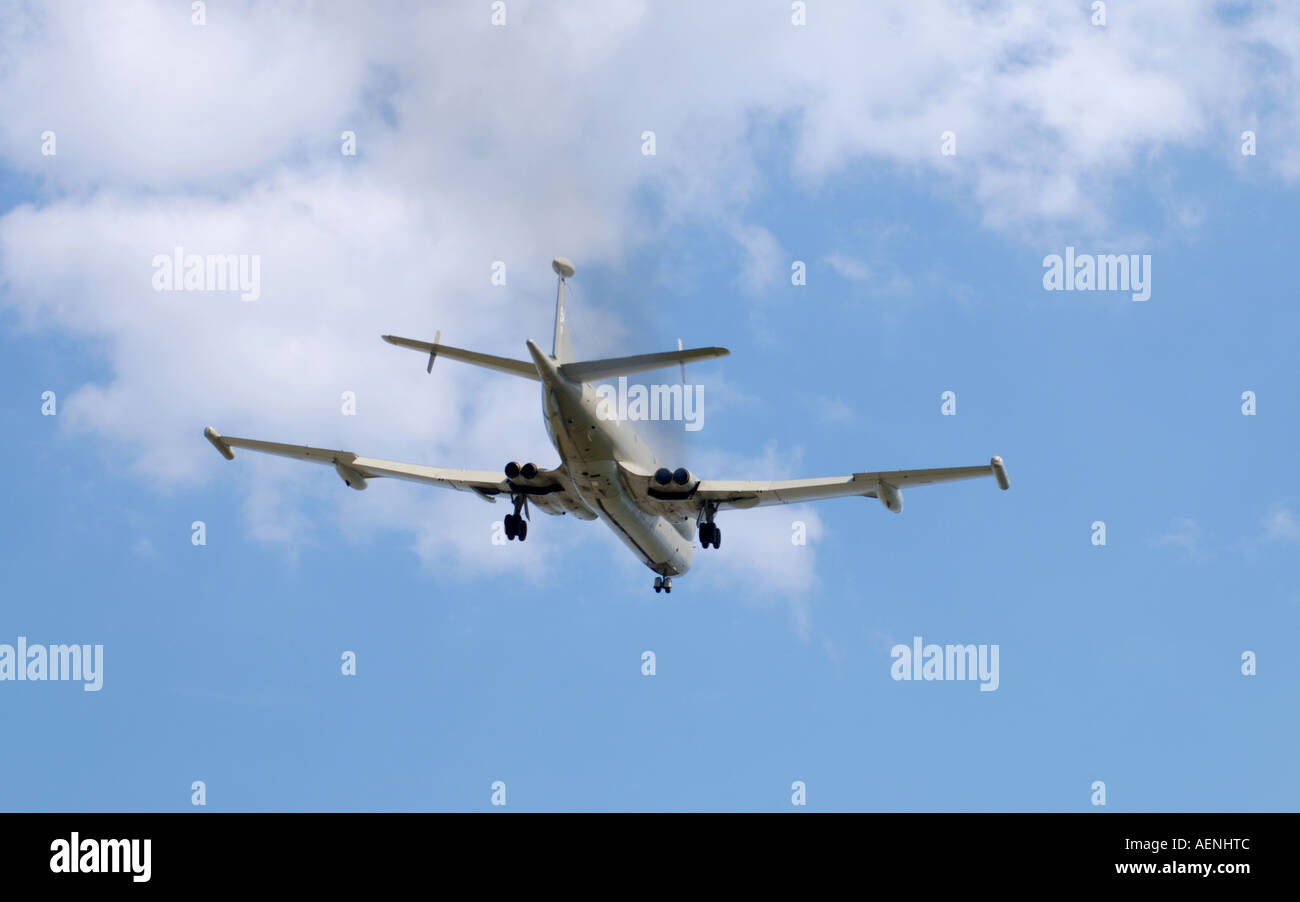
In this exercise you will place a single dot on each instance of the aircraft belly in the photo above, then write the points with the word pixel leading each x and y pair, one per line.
pixel 651 537
pixel 590 448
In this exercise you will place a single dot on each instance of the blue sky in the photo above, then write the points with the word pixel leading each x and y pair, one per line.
pixel 522 663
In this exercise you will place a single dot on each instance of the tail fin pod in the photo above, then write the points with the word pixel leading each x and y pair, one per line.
pixel 562 348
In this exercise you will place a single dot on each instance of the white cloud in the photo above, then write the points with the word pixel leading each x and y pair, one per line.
pixel 1281 525
pixel 758 561
pixel 138 96
pixel 848 267
pixel 764 261
pixel 1184 535
pixel 833 410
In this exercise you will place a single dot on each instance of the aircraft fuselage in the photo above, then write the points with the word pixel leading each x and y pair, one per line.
pixel 591 448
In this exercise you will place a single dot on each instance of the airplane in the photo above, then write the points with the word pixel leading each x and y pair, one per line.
pixel 607 471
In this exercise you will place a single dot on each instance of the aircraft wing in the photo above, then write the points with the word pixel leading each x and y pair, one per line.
pixel 549 490
pixel 744 494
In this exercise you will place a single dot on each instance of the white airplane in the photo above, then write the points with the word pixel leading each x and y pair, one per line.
pixel 606 470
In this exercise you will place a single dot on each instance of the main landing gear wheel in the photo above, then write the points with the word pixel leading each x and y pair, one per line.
pixel 663 584
pixel 710 535
pixel 516 527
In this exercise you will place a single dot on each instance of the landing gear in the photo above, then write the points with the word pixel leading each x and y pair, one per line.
pixel 710 535
pixel 517 526
pixel 663 584
pixel 709 532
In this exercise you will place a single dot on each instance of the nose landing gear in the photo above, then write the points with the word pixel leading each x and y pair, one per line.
pixel 663 584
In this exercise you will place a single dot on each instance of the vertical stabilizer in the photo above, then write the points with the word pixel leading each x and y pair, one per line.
pixel 562 350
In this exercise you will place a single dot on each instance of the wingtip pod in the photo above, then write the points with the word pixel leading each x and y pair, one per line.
pixel 219 443
pixel 1000 473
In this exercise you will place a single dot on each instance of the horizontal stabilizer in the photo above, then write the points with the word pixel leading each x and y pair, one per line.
pixel 592 370
pixel 433 349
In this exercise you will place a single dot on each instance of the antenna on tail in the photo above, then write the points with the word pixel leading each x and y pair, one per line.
pixel 562 349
